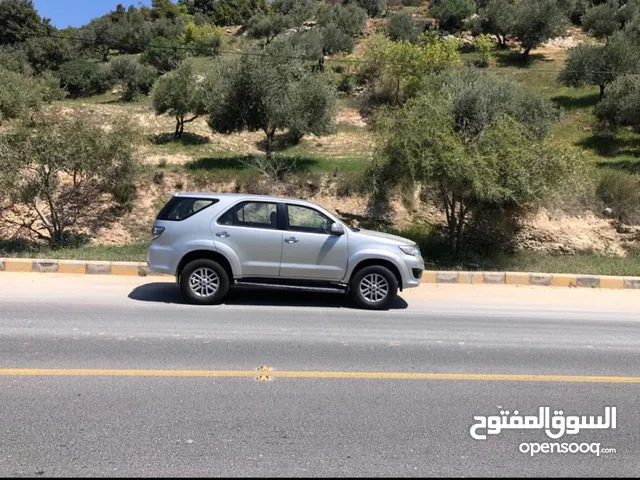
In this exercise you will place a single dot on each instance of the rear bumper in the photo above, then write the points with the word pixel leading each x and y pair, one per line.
pixel 161 259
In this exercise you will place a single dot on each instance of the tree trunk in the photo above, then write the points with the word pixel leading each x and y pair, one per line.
pixel 525 54
pixel 269 145
pixel 105 55
pixel 602 87
pixel 502 41
pixel 179 127
pixel 460 227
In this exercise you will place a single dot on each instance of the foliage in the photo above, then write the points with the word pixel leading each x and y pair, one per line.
pixel 47 53
pixel 83 78
pixel 402 27
pixel 602 20
pixel 606 18
pixel 496 18
pixel 621 104
pixel 204 39
pixel 374 8
pixel 485 45
pixel 14 59
pixel 403 66
pixel 267 26
pixel 63 174
pixel 163 54
pixel 270 94
pixel 478 98
pixel 536 22
pixel 589 64
pixel 100 36
pixel 297 11
pixel 19 20
pixel 134 78
pixel 452 13
pixel 225 12
pixel 420 145
pixel 180 94
pixel 21 96
pixel 620 192
pixel 339 26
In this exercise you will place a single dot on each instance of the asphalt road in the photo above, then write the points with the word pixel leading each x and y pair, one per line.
pixel 347 393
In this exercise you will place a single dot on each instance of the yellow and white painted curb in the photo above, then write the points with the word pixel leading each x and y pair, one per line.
pixel 73 266
pixel 540 279
pixel 428 277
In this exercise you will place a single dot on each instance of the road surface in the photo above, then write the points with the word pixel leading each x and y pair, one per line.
pixel 116 376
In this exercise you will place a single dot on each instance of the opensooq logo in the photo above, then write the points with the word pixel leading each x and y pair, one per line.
pixel 555 426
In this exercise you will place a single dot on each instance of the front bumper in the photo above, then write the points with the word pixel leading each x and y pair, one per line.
pixel 412 276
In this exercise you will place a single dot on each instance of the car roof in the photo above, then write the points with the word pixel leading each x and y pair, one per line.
pixel 239 196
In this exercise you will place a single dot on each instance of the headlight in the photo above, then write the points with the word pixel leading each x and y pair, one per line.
pixel 410 250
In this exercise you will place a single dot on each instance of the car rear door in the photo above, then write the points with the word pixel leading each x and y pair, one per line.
pixel 310 250
pixel 250 230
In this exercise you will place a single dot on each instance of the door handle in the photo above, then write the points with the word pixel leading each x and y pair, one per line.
pixel 222 235
pixel 292 240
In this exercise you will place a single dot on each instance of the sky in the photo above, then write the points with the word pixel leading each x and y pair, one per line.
pixel 74 13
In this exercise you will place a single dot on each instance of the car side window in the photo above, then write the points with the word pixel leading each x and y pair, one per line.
pixel 251 214
pixel 305 219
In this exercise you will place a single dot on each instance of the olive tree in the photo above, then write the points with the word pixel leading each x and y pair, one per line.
pixel 452 13
pixel 60 178
pixel 181 94
pixel 599 65
pixel 270 93
pixel 536 22
pixel 22 96
pixel 496 18
pixel 402 27
pixel 419 145
pixel 621 104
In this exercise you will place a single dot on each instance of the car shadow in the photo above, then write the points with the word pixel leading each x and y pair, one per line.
pixel 169 292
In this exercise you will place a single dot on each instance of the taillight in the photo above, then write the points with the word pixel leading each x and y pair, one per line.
pixel 156 232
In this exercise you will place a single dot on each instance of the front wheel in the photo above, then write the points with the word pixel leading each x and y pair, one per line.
pixel 374 288
pixel 204 282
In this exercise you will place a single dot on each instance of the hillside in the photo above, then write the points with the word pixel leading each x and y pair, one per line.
pixel 330 168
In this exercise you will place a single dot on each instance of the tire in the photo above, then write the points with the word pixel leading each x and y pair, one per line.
pixel 194 286
pixel 369 299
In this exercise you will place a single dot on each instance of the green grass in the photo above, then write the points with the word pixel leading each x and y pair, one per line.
pixel 519 262
pixel 135 252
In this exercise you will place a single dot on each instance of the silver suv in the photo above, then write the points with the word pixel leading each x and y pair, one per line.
pixel 210 241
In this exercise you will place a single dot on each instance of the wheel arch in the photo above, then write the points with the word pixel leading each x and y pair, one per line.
pixel 377 262
pixel 207 255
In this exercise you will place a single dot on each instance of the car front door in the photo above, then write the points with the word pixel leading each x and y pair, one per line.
pixel 310 250
pixel 250 230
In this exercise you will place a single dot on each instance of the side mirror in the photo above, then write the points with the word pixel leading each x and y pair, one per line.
pixel 337 229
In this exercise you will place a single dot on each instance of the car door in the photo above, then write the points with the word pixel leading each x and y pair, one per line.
pixel 250 230
pixel 310 250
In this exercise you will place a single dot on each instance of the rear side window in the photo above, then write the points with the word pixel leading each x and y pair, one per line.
pixel 181 208
pixel 252 214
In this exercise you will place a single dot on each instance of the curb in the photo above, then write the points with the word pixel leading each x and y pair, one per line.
pixel 27 265
pixel 141 269
pixel 533 279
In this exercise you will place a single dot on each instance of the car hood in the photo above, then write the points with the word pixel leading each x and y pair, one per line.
pixel 391 239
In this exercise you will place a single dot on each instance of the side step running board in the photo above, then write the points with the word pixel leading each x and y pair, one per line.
pixel 306 288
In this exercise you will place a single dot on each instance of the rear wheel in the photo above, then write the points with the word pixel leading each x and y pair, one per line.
pixel 374 288
pixel 204 282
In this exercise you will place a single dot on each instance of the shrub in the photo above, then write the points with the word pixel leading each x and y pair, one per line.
pixel 83 78
pixel 402 27
pixel 135 79
pixel 163 54
pixel 620 192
